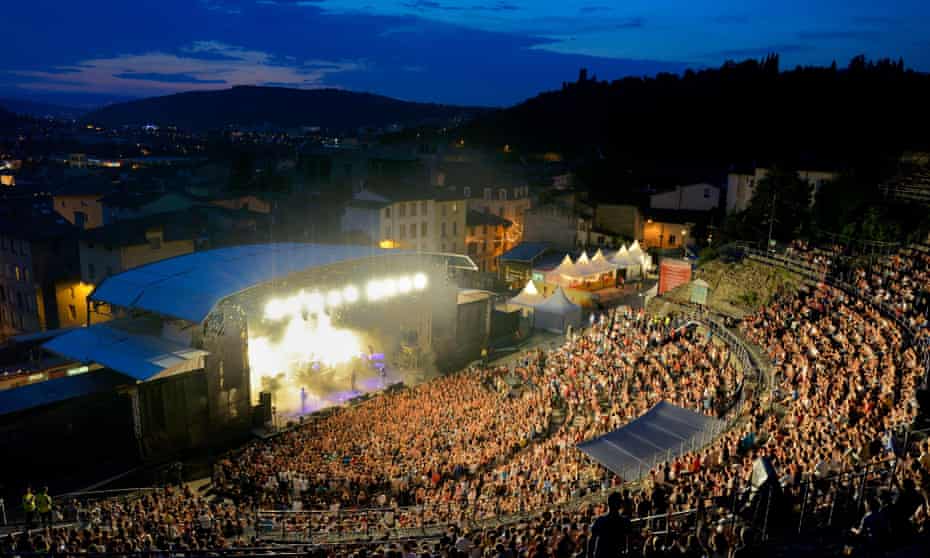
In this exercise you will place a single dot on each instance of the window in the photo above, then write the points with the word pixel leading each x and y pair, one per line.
pixel 454 228
pixel 3 243
pixel 466 191
pixel 413 209
pixel 2 293
pixel 500 211
pixel 403 210
pixel 387 212
pixel 423 229
pixel 18 273
pixel 19 300
pixel 487 193
pixel 73 311
pixel 443 209
pixel 442 229
pixel 502 194
pixel 387 232
pixel 155 242
pixel 403 231
pixel 455 207
pixel 706 193
pixel 423 208
pixel 671 240
pixel 443 246
pixel 91 272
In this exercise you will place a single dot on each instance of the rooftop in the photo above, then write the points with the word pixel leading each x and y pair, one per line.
pixel 476 218
pixel 190 286
pixel 525 252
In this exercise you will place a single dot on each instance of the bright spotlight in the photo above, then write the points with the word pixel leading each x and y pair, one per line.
pixel 374 290
pixel 275 309
pixel 350 294
pixel 404 284
pixel 334 298
pixel 312 302
pixel 419 281
pixel 389 287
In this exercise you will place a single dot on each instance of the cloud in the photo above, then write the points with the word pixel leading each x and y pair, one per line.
pixel 166 78
pixel 199 66
pixel 497 7
pixel 422 5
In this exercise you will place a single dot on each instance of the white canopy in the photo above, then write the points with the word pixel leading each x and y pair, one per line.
pixel 557 312
pixel 528 297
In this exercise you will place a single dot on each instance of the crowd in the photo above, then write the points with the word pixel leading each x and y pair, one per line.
pixel 499 442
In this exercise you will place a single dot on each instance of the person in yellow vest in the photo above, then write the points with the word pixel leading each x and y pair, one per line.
pixel 44 506
pixel 29 507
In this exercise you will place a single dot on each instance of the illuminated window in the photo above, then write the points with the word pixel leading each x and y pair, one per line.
pixel 18 273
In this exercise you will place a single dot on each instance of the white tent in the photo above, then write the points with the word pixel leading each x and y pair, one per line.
pixel 630 262
pixel 528 297
pixel 556 313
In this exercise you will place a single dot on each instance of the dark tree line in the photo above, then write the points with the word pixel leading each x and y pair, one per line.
pixel 742 112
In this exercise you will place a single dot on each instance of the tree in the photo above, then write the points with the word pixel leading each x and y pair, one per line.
pixel 781 202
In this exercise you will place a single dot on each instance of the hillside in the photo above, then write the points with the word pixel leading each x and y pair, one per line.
pixel 737 288
pixel 40 110
pixel 331 109
pixel 743 112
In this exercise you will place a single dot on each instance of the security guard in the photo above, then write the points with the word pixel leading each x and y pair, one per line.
pixel 44 505
pixel 29 507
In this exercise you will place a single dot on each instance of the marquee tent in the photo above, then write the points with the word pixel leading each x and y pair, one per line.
pixel 529 297
pixel 661 433
pixel 556 313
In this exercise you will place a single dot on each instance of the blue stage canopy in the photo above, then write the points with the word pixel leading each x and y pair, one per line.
pixel 662 432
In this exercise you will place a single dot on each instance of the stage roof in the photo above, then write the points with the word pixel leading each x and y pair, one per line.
pixel 662 431
pixel 44 393
pixel 139 356
pixel 189 287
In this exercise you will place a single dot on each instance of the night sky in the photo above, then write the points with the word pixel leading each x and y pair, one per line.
pixel 483 52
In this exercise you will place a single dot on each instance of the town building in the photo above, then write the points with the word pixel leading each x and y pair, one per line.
pixel 692 197
pixel 425 221
pixel 486 239
pixel 38 255
pixel 741 186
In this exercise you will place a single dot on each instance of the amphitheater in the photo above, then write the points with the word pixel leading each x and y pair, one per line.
pixel 811 360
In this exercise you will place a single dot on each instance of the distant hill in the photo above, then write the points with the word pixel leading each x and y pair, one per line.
pixel 40 110
pixel 331 109
pixel 743 112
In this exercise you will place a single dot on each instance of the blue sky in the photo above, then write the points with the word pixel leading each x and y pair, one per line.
pixel 487 52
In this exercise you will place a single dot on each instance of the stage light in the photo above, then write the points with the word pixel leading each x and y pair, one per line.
pixel 275 309
pixel 419 281
pixel 373 290
pixel 404 284
pixel 350 294
pixel 388 287
pixel 334 298
pixel 312 302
